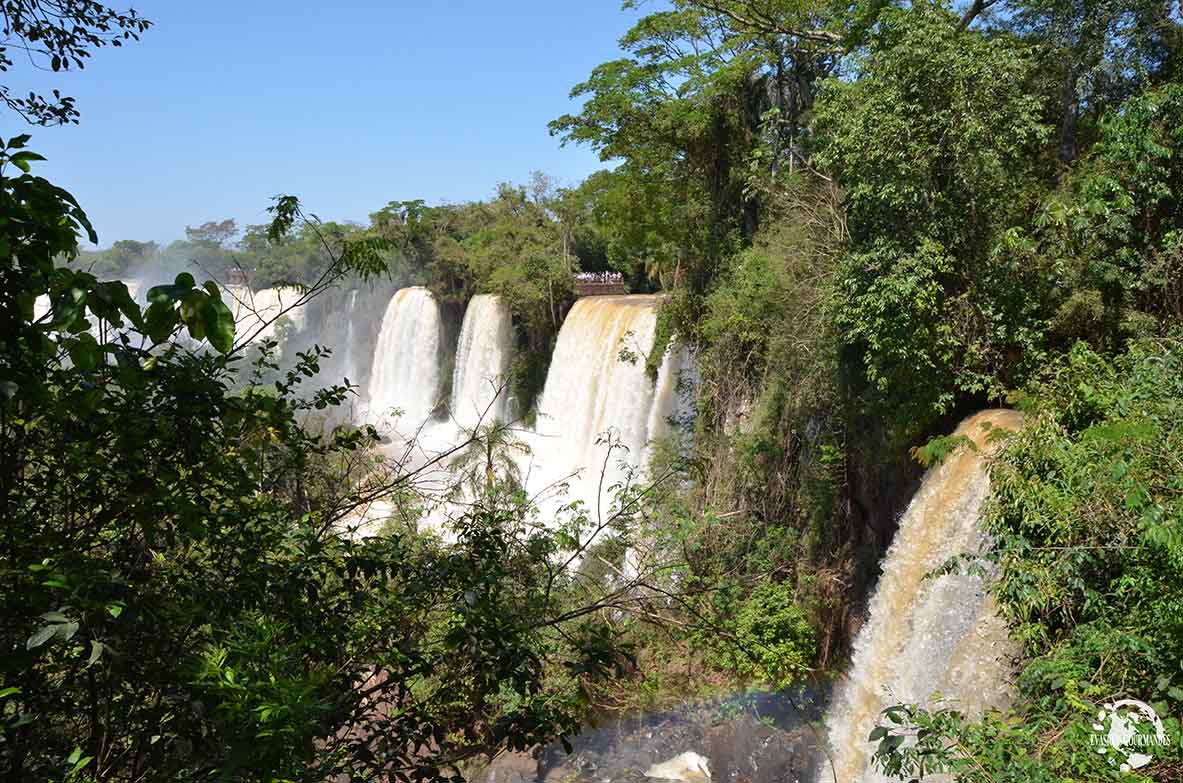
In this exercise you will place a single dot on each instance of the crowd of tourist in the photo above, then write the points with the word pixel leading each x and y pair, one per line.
pixel 599 277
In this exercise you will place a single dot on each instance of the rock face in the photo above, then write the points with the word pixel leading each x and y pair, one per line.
pixel 509 768
pixel 753 739
pixel 748 751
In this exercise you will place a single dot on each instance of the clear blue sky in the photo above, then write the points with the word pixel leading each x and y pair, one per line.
pixel 346 104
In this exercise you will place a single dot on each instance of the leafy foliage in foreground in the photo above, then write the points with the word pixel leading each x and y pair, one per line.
pixel 182 600
pixel 59 37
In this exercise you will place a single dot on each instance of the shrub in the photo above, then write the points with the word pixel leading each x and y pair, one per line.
pixel 775 641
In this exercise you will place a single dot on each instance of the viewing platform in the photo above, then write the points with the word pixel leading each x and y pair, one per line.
pixel 599 284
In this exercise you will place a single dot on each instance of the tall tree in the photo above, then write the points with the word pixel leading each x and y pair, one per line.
pixel 936 146
pixel 1099 53
pixel 218 232
pixel 709 95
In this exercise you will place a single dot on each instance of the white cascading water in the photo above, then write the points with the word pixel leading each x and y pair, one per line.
pixel 670 399
pixel 238 299
pixel 405 373
pixel 339 333
pixel 349 366
pixel 924 637
pixel 482 362
pixel 596 383
pixel 255 312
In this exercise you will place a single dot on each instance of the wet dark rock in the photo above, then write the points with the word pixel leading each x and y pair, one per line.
pixel 748 751
pixel 508 768
pixel 755 738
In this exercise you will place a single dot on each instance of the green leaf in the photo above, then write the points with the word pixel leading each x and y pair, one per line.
pixel 21 160
pixel 161 319
pixel 78 760
pixel 116 294
pixel 96 651
pixel 42 636
pixel 6 692
pixel 85 352
pixel 193 313
pixel 182 286
pixel 221 330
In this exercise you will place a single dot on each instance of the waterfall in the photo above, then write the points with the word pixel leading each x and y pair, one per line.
pixel 338 331
pixel 672 395
pixel 349 355
pixel 927 636
pixel 596 383
pixel 482 362
pixel 253 310
pixel 405 371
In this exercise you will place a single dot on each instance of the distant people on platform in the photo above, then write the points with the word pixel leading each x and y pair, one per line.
pixel 599 277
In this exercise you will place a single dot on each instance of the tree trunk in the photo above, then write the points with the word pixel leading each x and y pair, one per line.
pixel 1069 108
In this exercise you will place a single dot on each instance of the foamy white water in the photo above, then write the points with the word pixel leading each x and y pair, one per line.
pixel 597 384
pixel 255 312
pixel 405 373
pixel 340 333
pixel 41 307
pixel 349 360
pixel 670 399
pixel 927 636
pixel 483 356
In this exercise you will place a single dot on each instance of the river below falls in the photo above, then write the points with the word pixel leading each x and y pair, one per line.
pixel 753 738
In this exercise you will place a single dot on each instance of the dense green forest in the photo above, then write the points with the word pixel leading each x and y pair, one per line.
pixel 869 220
